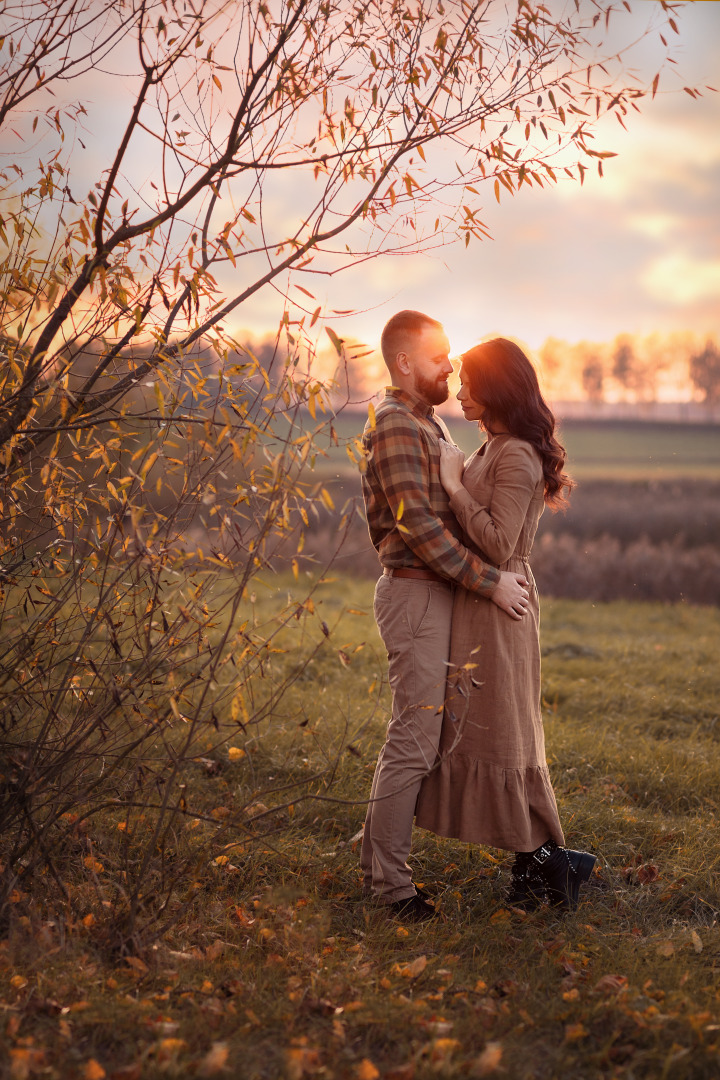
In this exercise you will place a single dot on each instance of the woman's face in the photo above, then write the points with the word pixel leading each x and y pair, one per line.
pixel 472 410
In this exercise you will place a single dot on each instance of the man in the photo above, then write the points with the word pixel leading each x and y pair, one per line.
pixel 416 536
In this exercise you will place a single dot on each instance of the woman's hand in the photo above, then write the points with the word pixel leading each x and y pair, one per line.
pixel 452 463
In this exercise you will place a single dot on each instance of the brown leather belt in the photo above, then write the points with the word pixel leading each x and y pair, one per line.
pixel 414 572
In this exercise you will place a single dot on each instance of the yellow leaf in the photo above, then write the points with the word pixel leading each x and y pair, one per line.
pixel 371 415
pixel 93 1070
pixel 337 341
pixel 400 510
pixel 411 970
pixel 91 863
pixel 167 1048
pixel 215 1060
pixel 235 753
pixel 489 1060
pixel 18 982
pixel 442 1048
pixel 366 1070
pixel 238 708
pixel 160 399
pixel 327 499
pixel 148 465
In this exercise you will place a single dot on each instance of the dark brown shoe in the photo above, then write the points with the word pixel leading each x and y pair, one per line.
pixel 412 909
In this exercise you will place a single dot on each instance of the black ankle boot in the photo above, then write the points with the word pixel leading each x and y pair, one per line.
pixel 563 872
pixel 527 887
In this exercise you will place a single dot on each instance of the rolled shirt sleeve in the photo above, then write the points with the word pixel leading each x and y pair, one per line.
pixel 402 472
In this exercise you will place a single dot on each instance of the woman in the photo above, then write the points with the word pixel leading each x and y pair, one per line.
pixel 491 784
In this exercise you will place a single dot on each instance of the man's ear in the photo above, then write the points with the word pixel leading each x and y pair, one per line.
pixel 402 363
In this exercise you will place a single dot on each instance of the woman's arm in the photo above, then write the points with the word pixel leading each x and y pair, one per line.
pixel 495 528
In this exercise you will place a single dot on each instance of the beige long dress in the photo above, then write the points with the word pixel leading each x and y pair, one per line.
pixel 491 784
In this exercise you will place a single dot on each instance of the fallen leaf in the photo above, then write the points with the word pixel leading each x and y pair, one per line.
pixel 697 943
pixel 666 949
pixel 401 1072
pixel 235 753
pixel 488 1061
pixel 93 1070
pixel 610 984
pixel 647 873
pixel 437 1027
pixel 411 970
pixel 573 1032
pixel 215 950
pixel 366 1070
pixel 18 982
pixel 169 1048
pixel 91 863
pixel 137 964
pixel 127 1072
pixel 300 1061
pixel 24 1061
pixel 215 1060
pixel 443 1048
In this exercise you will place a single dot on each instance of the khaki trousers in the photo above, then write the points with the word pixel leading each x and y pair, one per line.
pixel 413 618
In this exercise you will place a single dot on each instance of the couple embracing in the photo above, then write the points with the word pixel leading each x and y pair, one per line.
pixel 457 610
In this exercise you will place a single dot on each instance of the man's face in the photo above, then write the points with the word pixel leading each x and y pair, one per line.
pixel 428 356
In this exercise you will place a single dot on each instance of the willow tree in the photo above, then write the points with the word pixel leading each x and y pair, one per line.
pixel 168 165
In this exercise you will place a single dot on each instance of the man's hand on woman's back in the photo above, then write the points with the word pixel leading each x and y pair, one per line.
pixel 511 594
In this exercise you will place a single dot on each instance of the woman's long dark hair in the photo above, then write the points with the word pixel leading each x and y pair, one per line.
pixel 501 379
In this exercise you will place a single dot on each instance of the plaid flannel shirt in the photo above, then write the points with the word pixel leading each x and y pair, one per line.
pixel 408 510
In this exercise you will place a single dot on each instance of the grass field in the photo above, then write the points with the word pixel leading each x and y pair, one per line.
pixel 275 967
pixel 621 450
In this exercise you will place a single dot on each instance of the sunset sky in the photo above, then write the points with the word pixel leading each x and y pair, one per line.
pixel 634 252
pixel 637 251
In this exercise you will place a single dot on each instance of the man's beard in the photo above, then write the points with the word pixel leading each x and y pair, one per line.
pixel 433 391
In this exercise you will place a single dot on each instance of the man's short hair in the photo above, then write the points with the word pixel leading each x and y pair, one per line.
pixel 398 328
